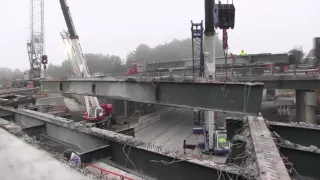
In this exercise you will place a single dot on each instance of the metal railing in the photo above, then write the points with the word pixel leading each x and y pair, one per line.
pixel 106 172
pixel 263 71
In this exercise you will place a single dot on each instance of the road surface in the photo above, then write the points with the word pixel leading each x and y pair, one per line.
pixel 174 127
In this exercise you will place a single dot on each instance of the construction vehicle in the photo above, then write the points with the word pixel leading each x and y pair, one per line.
pixel 221 145
pixel 95 113
pixel 135 69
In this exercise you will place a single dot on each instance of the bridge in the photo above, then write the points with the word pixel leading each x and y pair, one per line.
pixel 180 92
pixel 265 58
pixel 267 153
pixel 273 70
pixel 270 150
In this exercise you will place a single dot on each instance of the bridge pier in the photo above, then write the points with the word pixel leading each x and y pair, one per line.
pixel 305 104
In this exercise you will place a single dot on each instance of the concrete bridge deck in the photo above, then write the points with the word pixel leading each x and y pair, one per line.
pixel 21 161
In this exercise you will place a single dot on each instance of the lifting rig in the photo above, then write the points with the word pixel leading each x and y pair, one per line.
pixel 211 138
pixel 95 113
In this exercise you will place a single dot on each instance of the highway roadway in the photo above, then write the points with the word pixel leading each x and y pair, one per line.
pixel 174 127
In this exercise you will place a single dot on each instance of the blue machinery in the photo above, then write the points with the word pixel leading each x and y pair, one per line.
pixel 197 47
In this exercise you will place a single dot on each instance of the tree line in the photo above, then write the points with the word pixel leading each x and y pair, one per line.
pixel 174 50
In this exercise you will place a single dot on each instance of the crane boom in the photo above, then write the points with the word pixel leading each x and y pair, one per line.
pixel 68 19
pixel 35 45
pixel 72 43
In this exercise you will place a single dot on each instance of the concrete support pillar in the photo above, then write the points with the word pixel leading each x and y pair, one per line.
pixel 305 103
pixel 125 108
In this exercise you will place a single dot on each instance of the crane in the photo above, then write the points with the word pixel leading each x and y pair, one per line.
pixel 95 112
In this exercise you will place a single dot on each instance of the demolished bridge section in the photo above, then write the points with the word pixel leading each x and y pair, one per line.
pixel 186 92
pixel 124 152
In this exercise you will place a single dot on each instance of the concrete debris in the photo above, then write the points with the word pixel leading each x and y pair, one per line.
pixel 168 78
pixel 73 105
pixel 11 127
pixel 119 138
pixel 17 131
pixel 313 148
pixel 293 124
pixel 290 144
pixel 249 166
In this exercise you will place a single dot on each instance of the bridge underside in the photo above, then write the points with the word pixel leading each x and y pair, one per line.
pixel 180 92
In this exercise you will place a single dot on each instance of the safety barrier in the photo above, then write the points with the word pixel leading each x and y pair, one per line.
pixel 122 177
pixel 260 71
pixel 150 119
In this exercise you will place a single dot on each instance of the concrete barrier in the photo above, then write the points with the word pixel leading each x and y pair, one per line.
pixel 59 100
pixel 148 120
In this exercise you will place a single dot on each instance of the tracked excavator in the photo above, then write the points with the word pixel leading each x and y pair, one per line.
pixel 99 114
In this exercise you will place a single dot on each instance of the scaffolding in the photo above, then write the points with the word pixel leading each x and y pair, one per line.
pixel 197 48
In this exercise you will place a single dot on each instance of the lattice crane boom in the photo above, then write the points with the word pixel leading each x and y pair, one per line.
pixel 35 45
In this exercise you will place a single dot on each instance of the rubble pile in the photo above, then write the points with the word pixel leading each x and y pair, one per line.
pixel 289 144
pixel 166 78
pixel 249 166
pixel 17 131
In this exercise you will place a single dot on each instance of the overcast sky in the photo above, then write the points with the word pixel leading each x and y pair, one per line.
pixel 118 26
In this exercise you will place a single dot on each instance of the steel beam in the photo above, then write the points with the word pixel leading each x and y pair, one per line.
pixel 283 81
pixel 96 154
pixel 150 164
pixel 269 161
pixel 303 134
pixel 21 91
pixel 180 92
pixel 35 130
pixel 234 125
pixel 305 162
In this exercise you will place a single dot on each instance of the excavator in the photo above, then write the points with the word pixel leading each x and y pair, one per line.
pixel 100 114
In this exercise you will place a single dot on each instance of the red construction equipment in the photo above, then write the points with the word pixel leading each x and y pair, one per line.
pixel 95 112
pixel 104 172
pixel 100 113
pixel 135 69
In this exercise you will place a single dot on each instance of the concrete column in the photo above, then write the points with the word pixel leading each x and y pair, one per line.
pixel 125 109
pixel 305 103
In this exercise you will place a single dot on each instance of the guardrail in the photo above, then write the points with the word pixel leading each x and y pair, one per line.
pixel 102 171
pixel 252 71
pixel 257 71
pixel 233 72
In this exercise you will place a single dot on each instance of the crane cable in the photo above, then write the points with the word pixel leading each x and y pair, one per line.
pixel 225 50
